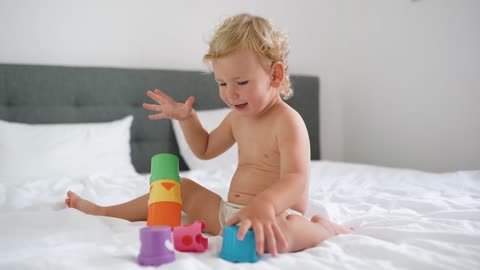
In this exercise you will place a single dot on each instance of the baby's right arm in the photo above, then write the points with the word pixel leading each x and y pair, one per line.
pixel 203 144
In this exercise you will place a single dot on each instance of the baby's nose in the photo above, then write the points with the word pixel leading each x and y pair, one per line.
pixel 232 94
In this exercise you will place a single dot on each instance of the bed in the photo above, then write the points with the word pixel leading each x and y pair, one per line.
pixel 83 129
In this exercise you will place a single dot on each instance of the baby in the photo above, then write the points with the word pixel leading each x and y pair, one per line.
pixel 269 190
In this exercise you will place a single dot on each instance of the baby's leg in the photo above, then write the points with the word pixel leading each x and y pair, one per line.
pixel 134 210
pixel 199 203
pixel 302 233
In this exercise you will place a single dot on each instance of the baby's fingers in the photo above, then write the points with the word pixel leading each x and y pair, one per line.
pixel 152 107
pixel 233 220
pixel 189 102
pixel 157 116
pixel 272 242
pixel 157 108
pixel 155 96
pixel 244 226
pixel 280 237
pixel 259 238
pixel 164 96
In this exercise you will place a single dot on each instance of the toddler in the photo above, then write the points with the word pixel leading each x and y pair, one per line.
pixel 269 190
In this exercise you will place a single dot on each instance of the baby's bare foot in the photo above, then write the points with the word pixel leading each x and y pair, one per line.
pixel 332 227
pixel 75 201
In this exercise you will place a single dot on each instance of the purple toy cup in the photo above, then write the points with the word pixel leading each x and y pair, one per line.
pixel 157 246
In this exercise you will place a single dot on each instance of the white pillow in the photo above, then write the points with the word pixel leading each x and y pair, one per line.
pixel 210 119
pixel 30 151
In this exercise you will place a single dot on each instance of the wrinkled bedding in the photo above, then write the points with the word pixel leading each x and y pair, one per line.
pixel 403 219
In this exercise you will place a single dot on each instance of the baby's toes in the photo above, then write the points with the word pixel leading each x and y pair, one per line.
pixel 70 194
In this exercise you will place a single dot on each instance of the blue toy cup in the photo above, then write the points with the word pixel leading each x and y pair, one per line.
pixel 235 250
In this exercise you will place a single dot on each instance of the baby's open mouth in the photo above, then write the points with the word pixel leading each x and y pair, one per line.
pixel 241 105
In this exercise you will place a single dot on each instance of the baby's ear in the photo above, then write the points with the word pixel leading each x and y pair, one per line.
pixel 277 74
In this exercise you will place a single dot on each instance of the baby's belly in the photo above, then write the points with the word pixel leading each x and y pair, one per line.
pixel 248 181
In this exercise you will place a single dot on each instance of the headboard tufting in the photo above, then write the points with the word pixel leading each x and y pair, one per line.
pixel 62 94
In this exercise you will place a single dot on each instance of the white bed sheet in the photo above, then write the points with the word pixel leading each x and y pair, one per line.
pixel 404 219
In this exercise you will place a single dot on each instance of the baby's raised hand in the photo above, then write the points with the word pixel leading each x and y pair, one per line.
pixel 261 218
pixel 167 107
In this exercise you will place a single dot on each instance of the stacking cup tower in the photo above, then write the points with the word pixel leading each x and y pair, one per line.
pixel 165 201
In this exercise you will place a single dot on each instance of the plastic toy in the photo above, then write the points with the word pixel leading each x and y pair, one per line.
pixel 235 250
pixel 189 237
pixel 157 247
pixel 165 201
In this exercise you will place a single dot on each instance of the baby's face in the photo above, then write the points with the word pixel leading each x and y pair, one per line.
pixel 244 83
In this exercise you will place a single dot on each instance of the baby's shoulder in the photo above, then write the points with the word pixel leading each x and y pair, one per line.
pixel 286 115
pixel 289 123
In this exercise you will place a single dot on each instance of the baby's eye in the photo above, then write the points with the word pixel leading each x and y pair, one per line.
pixel 222 84
pixel 242 83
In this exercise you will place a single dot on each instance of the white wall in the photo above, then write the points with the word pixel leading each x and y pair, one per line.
pixel 399 78
pixel 413 89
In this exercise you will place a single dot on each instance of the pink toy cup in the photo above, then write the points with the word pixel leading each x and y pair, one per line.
pixel 189 237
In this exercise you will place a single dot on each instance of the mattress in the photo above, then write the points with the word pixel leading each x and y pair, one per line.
pixel 403 219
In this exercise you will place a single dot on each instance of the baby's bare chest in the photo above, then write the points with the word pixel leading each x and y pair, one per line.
pixel 258 145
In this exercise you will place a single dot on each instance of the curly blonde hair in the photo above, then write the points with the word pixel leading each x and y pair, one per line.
pixel 257 34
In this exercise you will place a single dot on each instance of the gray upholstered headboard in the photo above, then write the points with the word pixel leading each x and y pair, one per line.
pixel 60 94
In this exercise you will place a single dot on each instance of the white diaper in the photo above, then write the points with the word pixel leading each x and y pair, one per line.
pixel 228 209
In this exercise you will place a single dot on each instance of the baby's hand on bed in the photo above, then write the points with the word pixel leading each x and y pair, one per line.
pixel 261 218
pixel 167 107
